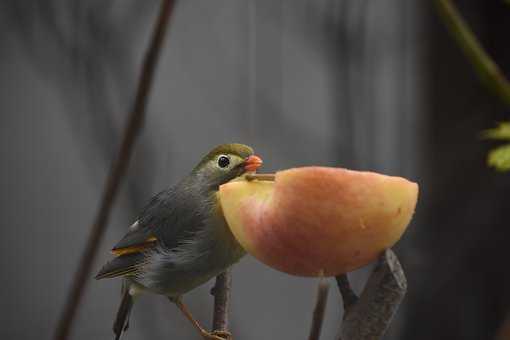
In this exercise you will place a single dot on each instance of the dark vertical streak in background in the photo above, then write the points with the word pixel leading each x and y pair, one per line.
pixel 117 172
pixel 345 57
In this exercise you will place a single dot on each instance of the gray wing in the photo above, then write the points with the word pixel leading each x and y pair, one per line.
pixel 170 216
pixel 136 237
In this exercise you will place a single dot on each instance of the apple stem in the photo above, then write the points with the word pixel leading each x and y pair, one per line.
pixel 370 316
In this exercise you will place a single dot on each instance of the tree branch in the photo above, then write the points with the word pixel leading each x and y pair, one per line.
pixel 221 293
pixel 370 316
pixel 488 71
pixel 349 297
pixel 320 309
pixel 116 174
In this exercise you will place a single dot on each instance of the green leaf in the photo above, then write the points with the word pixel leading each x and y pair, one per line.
pixel 499 158
pixel 501 132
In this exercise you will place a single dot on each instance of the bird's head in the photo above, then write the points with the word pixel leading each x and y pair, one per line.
pixel 226 162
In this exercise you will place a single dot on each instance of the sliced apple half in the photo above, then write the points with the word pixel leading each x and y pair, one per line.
pixel 319 221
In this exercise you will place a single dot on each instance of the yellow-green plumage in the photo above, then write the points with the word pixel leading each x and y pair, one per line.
pixel 181 239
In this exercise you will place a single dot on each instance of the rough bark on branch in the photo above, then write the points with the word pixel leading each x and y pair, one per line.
pixel 221 293
pixel 368 318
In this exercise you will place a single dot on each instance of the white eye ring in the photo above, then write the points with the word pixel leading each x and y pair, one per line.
pixel 223 161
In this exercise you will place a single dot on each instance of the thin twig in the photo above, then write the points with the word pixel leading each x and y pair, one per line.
pixel 488 71
pixel 221 293
pixel 349 297
pixel 320 309
pixel 117 172
pixel 261 177
pixel 371 315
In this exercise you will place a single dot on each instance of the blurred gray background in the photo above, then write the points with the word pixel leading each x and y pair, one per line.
pixel 364 84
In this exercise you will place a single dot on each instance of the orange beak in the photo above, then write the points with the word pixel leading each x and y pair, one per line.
pixel 252 163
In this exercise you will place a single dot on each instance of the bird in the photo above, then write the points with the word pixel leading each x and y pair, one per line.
pixel 181 239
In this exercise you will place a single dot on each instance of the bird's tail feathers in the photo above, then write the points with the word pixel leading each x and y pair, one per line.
pixel 121 323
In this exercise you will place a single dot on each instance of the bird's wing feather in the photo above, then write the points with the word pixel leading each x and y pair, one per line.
pixel 169 217
pixel 135 240
pixel 124 265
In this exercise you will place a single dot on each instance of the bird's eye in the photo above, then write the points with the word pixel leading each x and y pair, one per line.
pixel 223 161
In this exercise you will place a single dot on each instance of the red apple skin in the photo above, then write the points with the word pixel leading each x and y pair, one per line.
pixel 319 221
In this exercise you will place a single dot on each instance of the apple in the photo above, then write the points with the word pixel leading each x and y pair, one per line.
pixel 313 221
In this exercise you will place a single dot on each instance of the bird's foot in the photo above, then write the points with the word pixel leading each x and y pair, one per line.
pixel 217 335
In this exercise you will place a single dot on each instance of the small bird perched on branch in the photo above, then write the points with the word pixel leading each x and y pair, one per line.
pixel 181 239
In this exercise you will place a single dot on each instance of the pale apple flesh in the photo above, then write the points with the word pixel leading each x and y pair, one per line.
pixel 315 221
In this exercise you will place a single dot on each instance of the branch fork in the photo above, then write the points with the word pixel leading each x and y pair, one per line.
pixel 369 316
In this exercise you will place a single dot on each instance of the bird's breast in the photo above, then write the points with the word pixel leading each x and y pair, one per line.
pixel 205 253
